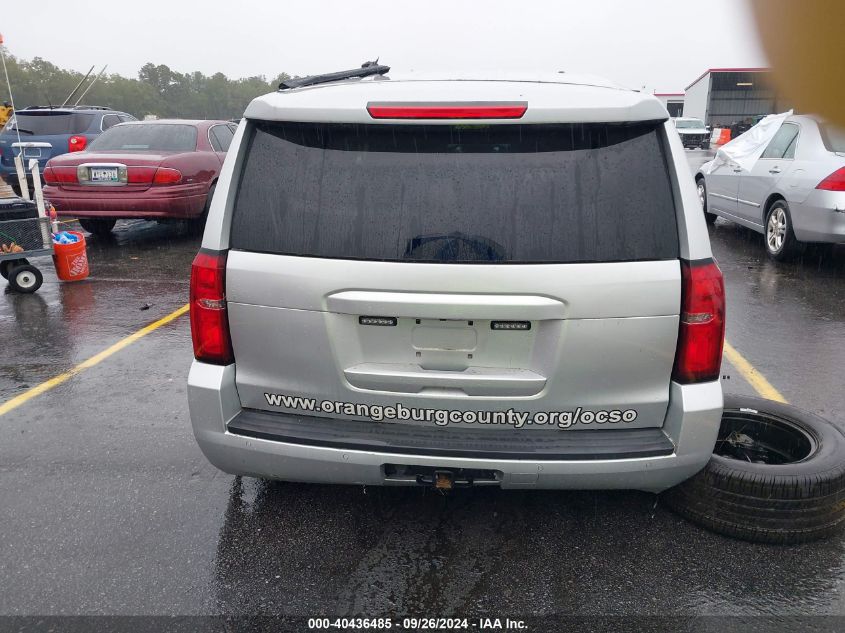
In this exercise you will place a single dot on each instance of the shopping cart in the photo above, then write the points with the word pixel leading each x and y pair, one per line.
pixel 22 237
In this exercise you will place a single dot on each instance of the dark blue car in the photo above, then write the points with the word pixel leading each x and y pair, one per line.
pixel 47 131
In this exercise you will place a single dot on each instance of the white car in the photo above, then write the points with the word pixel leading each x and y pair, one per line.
pixel 793 193
pixel 693 132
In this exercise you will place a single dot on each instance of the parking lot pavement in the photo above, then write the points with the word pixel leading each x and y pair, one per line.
pixel 787 320
pixel 109 507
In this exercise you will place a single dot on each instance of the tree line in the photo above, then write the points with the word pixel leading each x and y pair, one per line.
pixel 158 90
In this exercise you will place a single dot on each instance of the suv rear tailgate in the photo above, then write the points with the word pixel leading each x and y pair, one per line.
pixel 382 271
pixel 602 336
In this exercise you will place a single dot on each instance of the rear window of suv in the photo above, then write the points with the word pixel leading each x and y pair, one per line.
pixel 504 193
pixel 46 123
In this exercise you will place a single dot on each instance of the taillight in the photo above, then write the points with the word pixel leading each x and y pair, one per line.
pixel 140 175
pixel 167 176
pixel 60 175
pixel 209 319
pixel 76 143
pixel 702 330
pixel 50 176
pixel 834 182
pixel 472 110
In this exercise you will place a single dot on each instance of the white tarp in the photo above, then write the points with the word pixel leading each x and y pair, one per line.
pixel 746 148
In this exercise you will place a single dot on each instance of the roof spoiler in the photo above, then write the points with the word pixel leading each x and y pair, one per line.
pixel 367 69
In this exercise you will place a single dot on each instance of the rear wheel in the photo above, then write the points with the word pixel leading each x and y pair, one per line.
pixel 26 278
pixel 780 238
pixel 98 226
pixel 710 218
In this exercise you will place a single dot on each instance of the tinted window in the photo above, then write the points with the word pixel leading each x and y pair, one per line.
pixel 144 137
pixel 109 120
pixel 221 137
pixel 780 141
pixel 457 193
pixel 833 137
pixel 125 117
pixel 45 123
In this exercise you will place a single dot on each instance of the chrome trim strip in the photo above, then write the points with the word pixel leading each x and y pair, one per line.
pixel 719 195
pixel 749 203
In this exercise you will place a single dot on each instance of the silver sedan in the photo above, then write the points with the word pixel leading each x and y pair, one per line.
pixel 793 193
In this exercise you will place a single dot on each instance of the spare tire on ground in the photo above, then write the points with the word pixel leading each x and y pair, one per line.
pixel 777 475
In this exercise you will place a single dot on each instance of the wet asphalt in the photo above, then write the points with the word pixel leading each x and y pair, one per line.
pixel 107 505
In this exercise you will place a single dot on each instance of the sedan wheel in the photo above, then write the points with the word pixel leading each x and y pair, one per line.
pixel 776 230
pixel 780 239
pixel 710 218
pixel 100 227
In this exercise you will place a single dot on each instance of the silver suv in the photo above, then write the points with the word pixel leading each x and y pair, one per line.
pixel 464 281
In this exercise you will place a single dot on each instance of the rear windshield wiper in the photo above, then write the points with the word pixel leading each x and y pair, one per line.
pixel 20 129
pixel 367 69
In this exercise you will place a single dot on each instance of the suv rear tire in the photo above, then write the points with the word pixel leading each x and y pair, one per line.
pixel 98 226
pixel 802 498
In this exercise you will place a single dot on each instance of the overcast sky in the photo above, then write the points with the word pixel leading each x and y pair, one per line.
pixel 660 44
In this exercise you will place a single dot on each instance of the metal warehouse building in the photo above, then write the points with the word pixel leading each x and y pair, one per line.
pixel 674 102
pixel 722 96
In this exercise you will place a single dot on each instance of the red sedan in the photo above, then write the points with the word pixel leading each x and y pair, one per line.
pixel 145 169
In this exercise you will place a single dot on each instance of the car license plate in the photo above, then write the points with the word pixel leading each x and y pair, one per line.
pixel 32 152
pixel 104 174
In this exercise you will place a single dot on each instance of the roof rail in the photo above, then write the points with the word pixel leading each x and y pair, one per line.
pixel 367 69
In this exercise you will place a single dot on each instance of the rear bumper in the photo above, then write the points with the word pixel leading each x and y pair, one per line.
pixel 155 202
pixel 820 218
pixel 642 460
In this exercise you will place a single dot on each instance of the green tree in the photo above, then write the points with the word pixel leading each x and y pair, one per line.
pixel 158 90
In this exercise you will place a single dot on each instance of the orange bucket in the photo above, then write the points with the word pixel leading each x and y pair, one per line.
pixel 71 260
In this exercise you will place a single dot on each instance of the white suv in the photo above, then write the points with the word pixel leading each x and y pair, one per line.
pixel 457 281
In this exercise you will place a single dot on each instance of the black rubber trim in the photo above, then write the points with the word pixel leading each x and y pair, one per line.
pixel 451 441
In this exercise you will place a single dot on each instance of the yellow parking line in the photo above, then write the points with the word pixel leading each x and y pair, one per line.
pixel 47 385
pixel 754 377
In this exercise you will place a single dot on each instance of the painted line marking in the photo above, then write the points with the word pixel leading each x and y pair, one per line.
pixel 754 377
pixel 47 385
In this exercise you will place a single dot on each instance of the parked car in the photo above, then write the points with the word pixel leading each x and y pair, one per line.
pixel 693 132
pixel 48 132
pixel 439 282
pixel 793 193
pixel 155 170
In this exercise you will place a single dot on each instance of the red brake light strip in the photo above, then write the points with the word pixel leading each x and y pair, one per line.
pixel 451 110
